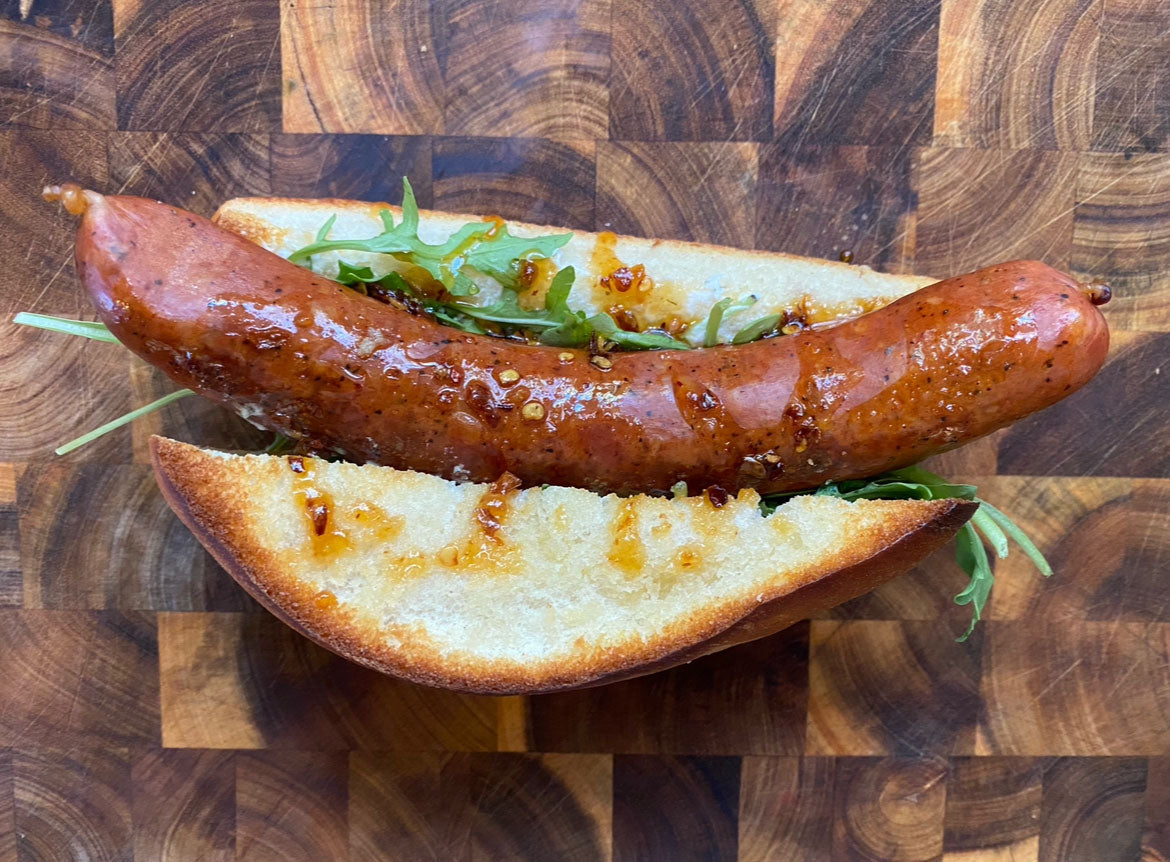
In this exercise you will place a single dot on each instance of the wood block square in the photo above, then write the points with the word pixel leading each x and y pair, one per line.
pixel 61 387
pixel 979 207
pixel 855 72
pixel 197 172
pixel 1121 234
pixel 1017 75
pixel 1156 834
pixel 480 806
pixel 1106 540
pixel 664 804
pixel 57 65
pixel 765 679
pixel 886 687
pixel 210 67
pixel 522 69
pixel 7 809
pixel 544 182
pixel 889 809
pixel 785 808
pixel 249 681
pixel 820 202
pixel 1131 108
pixel 291 805
pixel 681 73
pixel 1088 688
pixel 76 678
pixel 184 805
pixel 391 80
pixel 11 579
pixel 339 166
pixel 74 804
pixel 102 537
pixel 694 191
pixel 993 809
pixel 1092 809
pixel 1115 426
pixel 38 234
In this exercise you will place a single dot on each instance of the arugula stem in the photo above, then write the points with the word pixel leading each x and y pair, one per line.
pixel 121 420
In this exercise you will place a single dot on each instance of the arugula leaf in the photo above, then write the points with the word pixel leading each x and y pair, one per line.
pixel 987 524
pixel 483 246
pixel 66 326
pixel 757 329
pixel 126 419
pixel 723 308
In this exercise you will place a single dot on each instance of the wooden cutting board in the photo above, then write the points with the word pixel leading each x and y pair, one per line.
pixel 149 710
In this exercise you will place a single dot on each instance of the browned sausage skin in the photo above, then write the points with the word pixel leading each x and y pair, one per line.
pixel 296 353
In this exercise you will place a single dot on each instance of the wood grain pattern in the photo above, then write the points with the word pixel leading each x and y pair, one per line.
pixel 860 72
pixel 37 234
pixel 73 805
pixel 150 710
pixel 215 69
pixel 479 806
pixel 358 167
pixel 678 191
pixel 1092 809
pixel 872 212
pixel 291 805
pixel 184 805
pixel 546 182
pixel 1131 108
pixel 766 680
pixel 78 679
pixel 981 205
pixel 890 808
pixel 247 681
pixel 1017 75
pixel 891 687
pixel 1121 233
pixel 394 84
pixel 136 556
pixel 520 69
pixel 714 83
pixel 42 63
pixel 677 807
pixel 993 809
pixel 786 808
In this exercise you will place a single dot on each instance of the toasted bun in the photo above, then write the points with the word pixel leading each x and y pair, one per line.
pixel 408 574
pixel 688 278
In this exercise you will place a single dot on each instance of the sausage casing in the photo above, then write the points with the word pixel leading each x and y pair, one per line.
pixel 299 354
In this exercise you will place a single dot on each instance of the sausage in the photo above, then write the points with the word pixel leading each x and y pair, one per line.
pixel 307 357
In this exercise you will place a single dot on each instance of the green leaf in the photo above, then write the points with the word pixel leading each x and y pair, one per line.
pixel 723 308
pixel 972 558
pixel 991 532
pixel 325 228
pixel 66 326
pixel 757 329
pixel 349 274
pixel 1019 537
pixel 121 420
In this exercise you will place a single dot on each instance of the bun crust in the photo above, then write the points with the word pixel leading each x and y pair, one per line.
pixel 570 590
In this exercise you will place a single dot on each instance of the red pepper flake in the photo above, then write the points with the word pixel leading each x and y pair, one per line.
pixel 718 496
pixel 296 463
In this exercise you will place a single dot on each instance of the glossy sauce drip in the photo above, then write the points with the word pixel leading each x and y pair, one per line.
pixel 535 277
pixel 381 526
pixel 71 196
pixel 627 551
pixel 325 538
pixel 493 505
pixel 325 600
pixel 702 409
pixel 615 279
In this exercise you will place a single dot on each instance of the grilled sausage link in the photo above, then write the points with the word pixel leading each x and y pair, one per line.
pixel 297 353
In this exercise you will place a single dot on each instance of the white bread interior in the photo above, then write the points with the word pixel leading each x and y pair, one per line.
pixel 573 589
pixel 689 278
